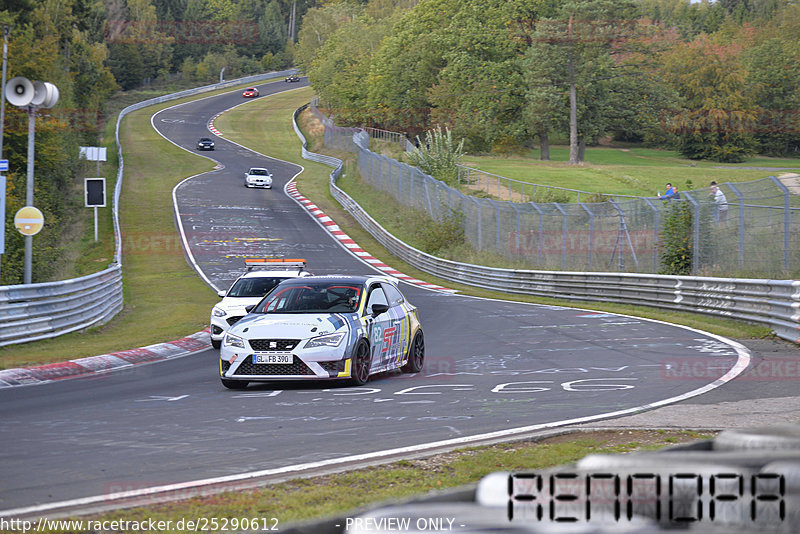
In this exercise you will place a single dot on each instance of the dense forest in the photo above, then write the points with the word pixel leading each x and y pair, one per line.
pixel 715 80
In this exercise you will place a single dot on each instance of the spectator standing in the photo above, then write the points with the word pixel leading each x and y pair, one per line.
pixel 720 203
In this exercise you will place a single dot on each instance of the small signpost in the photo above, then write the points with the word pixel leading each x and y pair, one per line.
pixel 94 188
pixel 94 153
pixel 95 196
pixel 29 221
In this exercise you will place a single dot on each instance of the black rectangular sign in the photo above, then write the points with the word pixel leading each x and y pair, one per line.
pixel 95 189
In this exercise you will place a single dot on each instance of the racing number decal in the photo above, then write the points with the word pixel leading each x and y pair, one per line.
pixel 377 334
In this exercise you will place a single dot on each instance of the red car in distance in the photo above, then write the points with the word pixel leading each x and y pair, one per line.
pixel 250 92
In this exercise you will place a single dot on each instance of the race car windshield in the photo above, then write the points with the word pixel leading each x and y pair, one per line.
pixel 258 172
pixel 253 287
pixel 312 298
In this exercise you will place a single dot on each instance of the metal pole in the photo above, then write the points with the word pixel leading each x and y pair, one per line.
pixel 695 232
pixel 516 243
pixel 2 132
pixel 3 87
pixel 480 223
pixel 655 234
pixel 787 219
pixel 591 232
pixel 95 224
pixel 740 224
pixel 496 223
pixel 29 193
pixel 563 237
pixel 541 231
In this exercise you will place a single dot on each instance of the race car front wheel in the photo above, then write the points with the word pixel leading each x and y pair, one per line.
pixel 360 364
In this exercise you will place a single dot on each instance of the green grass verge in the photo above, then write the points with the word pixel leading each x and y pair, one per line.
pixel 626 171
pixel 339 494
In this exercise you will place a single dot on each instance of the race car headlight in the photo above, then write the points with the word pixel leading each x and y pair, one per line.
pixel 234 341
pixel 328 340
pixel 218 312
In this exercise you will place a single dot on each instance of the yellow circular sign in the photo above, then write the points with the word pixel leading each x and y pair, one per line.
pixel 29 220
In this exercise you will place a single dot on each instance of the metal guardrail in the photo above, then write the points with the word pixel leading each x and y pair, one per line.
pixel 40 311
pixel 32 312
pixel 775 303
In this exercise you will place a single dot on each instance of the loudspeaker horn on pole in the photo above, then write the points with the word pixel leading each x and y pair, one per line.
pixel 45 95
pixel 53 99
pixel 19 91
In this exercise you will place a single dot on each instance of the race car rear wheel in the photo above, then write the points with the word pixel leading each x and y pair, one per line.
pixel 416 355
pixel 234 384
pixel 360 364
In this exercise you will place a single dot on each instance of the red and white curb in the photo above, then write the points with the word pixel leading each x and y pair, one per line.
pixel 211 127
pixel 40 374
pixel 348 242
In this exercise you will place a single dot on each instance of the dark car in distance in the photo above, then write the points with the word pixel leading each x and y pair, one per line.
pixel 292 78
pixel 205 144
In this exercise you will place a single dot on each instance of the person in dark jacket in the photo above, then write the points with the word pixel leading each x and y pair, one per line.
pixel 671 192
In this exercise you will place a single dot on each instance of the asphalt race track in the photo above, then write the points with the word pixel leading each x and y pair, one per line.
pixel 490 365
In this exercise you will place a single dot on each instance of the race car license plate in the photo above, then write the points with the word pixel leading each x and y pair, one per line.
pixel 285 359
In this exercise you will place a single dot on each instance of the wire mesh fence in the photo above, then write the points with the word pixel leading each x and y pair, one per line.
pixel 755 232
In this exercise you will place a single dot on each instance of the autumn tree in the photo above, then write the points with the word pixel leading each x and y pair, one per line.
pixel 717 116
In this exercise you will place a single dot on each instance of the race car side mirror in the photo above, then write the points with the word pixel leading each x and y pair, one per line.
pixel 378 309
pixel 249 308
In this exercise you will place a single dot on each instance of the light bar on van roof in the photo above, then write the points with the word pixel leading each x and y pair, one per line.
pixel 275 263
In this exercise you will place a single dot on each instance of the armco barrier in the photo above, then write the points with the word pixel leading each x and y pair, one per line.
pixel 775 303
pixel 31 312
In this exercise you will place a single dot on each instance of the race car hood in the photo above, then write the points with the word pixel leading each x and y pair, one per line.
pixel 289 326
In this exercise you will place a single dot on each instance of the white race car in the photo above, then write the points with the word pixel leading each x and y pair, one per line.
pixel 258 177
pixel 324 327
pixel 262 275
